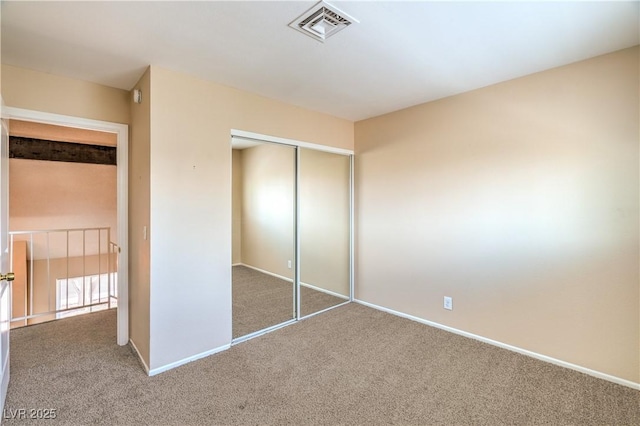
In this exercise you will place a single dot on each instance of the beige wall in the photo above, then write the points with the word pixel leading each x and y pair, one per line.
pixel 191 122
pixel 139 210
pixel 519 200
pixel 324 220
pixel 236 206
pixel 268 190
pixel 23 88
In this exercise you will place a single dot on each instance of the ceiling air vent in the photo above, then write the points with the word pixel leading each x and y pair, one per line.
pixel 322 21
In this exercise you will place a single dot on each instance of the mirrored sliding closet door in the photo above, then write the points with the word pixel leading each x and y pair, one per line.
pixel 263 246
pixel 292 237
pixel 324 229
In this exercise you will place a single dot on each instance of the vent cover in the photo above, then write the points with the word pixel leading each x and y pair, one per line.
pixel 322 21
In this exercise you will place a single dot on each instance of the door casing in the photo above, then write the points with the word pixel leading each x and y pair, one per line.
pixel 5 286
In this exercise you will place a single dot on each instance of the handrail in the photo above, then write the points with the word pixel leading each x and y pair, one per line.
pixel 42 231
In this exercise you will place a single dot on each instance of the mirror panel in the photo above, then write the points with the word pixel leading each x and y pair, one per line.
pixel 324 182
pixel 263 197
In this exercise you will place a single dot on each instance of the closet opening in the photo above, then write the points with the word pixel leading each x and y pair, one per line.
pixel 292 245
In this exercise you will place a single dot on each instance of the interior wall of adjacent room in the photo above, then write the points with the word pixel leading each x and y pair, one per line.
pixel 60 195
pixel 519 200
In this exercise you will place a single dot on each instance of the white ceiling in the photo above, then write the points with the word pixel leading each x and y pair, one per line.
pixel 400 54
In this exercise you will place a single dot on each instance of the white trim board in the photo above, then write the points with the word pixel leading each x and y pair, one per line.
pixel 122 136
pixel 526 352
pixel 257 137
pixel 187 360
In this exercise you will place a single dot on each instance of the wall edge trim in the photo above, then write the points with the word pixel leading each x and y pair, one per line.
pixel 187 360
pixel 135 349
pixel 541 357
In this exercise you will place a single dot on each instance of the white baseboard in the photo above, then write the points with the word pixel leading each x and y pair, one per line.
pixel 526 352
pixel 187 360
pixel 322 290
pixel 237 264
pixel 135 349
pixel 265 272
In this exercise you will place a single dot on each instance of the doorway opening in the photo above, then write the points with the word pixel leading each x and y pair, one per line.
pixel 62 219
pixel 68 221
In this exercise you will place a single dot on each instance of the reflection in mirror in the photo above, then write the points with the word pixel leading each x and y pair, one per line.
pixel 263 195
pixel 324 230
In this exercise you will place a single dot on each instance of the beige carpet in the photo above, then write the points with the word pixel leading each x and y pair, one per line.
pixel 261 300
pixel 351 366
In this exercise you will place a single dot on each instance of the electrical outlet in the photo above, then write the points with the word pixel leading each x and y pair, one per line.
pixel 448 303
pixel 289 264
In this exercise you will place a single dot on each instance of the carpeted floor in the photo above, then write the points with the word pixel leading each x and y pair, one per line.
pixel 261 300
pixel 351 366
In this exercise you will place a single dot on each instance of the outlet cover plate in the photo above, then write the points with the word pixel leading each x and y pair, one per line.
pixel 448 303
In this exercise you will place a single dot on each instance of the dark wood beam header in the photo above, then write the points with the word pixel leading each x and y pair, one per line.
pixel 40 149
